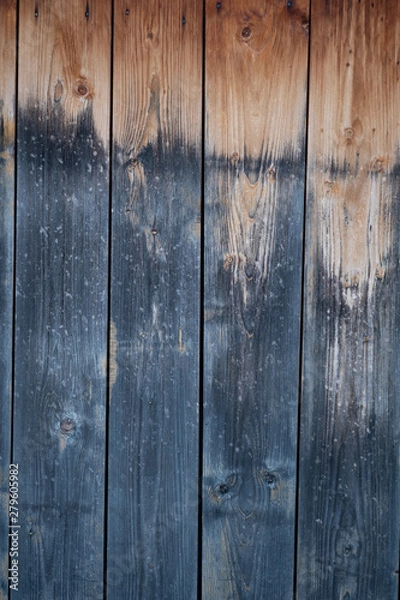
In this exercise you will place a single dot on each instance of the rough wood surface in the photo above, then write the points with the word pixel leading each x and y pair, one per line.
pixel 61 302
pixel 256 80
pixel 155 293
pixel 7 148
pixel 349 486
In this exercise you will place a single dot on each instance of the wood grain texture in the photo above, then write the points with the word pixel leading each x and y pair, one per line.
pixel 155 296
pixel 256 80
pixel 349 488
pixel 61 302
pixel 7 181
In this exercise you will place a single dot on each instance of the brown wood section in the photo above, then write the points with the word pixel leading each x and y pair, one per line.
pixel 255 107
pixel 61 296
pixel 155 300
pixel 8 61
pixel 349 487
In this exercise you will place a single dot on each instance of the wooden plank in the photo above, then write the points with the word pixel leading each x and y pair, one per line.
pixel 155 291
pixel 7 180
pixel 256 80
pixel 349 486
pixel 61 302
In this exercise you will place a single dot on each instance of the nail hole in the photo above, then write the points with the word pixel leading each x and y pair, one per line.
pixel 223 488
pixel 127 11
pixel 218 5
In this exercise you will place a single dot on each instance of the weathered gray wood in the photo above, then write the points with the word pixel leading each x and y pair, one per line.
pixel 256 80
pixel 155 294
pixel 61 301
pixel 349 519
pixel 7 149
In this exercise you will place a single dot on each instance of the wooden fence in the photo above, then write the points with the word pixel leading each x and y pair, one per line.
pixel 200 299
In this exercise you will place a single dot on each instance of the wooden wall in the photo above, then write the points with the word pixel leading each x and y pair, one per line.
pixel 200 301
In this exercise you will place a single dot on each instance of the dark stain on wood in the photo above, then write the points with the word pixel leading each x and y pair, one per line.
pixel 349 436
pixel 155 315
pixel 246 389
pixel 61 312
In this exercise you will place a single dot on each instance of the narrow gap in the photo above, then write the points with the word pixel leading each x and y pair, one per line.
pixel 108 390
pixel 14 275
pixel 201 327
pixel 397 573
pixel 398 578
pixel 302 315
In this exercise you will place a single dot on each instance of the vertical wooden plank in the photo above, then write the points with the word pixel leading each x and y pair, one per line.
pixel 155 291
pixel 349 484
pixel 61 302
pixel 7 147
pixel 256 88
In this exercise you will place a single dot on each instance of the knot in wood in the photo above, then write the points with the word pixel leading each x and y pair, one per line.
pixel 67 426
pixel 349 133
pixel 377 164
pixel 228 262
pixel 235 157
pixel 82 89
pixel 223 488
pixel 348 549
pixel 271 174
pixel 246 32
pixel 133 162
